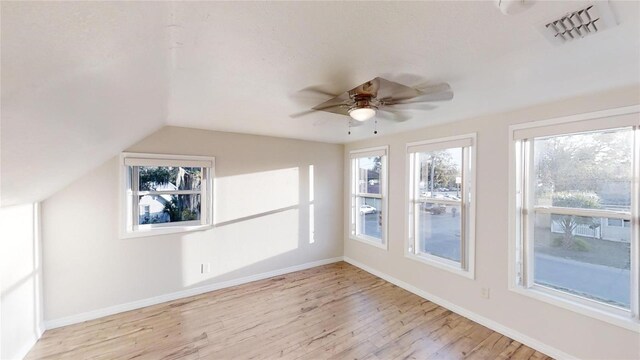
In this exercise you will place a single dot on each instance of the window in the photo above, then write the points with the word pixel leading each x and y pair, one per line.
pixel 576 203
pixel 441 216
pixel 368 204
pixel 166 193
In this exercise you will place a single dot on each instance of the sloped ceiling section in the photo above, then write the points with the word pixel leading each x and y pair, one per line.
pixel 81 81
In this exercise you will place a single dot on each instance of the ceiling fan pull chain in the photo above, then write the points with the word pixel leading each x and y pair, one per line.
pixel 349 127
pixel 375 126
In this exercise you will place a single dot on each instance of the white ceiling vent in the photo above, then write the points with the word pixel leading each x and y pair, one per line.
pixel 578 24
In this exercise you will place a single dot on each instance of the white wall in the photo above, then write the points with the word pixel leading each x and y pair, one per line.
pixel 574 334
pixel 20 300
pixel 262 212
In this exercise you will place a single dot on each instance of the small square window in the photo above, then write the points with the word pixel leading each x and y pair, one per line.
pixel 166 193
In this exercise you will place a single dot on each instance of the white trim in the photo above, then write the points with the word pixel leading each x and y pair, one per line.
pixel 384 194
pixel 520 128
pixel 369 152
pixel 26 347
pixel 526 287
pixel 441 144
pixel 586 212
pixel 594 312
pixel 128 230
pixel 164 231
pixel 491 324
pixel 444 140
pixel 466 267
pixel 111 310
pixel 441 263
pixel 369 240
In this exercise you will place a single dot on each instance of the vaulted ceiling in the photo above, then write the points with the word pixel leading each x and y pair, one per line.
pixel 81 81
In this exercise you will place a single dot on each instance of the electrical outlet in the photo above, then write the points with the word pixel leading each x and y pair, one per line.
pixel 205 268
pixel 484 293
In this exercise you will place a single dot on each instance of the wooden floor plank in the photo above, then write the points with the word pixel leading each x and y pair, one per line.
pixel 335 311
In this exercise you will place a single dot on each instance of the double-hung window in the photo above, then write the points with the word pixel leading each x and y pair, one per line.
pixel 165 193
pixel 575 197
pixel 368 200
pixel 440 204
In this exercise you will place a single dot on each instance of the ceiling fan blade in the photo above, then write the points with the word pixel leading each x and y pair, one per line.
pixel 340 108
pixel 393 91
pixel 439 92
pixel 369 88
pixel 396 116
pixel 427 98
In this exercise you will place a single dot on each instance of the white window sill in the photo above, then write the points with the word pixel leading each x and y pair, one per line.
pixel 164 231
pixel 603 312
pixel 443 264
pixel 370 241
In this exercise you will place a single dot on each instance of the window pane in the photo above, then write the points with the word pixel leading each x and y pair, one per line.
pixel 438 230
pixel 440 173
pixel 369 175
pixel 589 170
pixel 155 209
pixel 369 217
pixel 158 178
pixel 583 256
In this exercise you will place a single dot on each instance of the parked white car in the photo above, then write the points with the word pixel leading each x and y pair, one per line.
pixel 367 209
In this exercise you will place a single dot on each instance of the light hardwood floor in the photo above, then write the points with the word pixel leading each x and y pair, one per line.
pixel 333 311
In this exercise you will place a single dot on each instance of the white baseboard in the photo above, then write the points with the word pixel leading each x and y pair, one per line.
pixel 26 347
pixel 504 330
pixel 95 314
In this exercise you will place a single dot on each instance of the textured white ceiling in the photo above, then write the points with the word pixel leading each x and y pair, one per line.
pixel 82 81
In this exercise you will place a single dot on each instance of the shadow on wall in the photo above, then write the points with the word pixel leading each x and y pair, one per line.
pixel 272 211
pixel 21 275
pixel 258 216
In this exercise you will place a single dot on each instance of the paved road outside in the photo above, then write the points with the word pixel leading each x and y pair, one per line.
pixel 439 234
pixel 599 281
pixel 371 225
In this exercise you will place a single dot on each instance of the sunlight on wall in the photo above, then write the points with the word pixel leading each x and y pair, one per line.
pixel 245 195
pixel 257 217
pixel 312 236
pixel 240 244
pixel 21 275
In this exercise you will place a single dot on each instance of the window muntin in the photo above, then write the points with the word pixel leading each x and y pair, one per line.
pixel 440 211
pixel 166 193
pixel 368 196
pixel 573 188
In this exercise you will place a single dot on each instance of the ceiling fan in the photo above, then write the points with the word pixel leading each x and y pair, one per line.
pixel 380 98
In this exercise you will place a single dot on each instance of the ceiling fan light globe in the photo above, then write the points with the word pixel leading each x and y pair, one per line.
pixel 362 114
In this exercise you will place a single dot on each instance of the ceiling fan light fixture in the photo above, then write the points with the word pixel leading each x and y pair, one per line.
pixel 362 113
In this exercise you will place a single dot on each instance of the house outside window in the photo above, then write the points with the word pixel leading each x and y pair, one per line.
pixel 166 193
pixel 575 199
pixel 368 200
pixel 441 203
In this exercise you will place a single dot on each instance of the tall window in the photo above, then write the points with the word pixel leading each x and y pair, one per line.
pixel 368 205
pixel 577 212
pixel 166 193
pixel 440 203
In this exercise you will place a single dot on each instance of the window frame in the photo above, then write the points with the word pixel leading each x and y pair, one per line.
pixel 353 195
pixel 520 237
pixel 129 206
pixel 466 266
